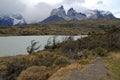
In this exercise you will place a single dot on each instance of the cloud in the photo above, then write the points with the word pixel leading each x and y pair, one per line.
pixel 76 4
pixel 99 2
pixel 38 12
pixel 73 1
pixel 31 13
pixel 118 12
pixel 11 6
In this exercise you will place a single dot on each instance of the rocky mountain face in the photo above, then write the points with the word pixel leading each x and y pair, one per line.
pixel 52 19
pixel 60 12
pixel 11 19
pixel 73 15
pixel 94 14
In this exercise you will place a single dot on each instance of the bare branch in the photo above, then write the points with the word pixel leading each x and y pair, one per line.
pixel 33 47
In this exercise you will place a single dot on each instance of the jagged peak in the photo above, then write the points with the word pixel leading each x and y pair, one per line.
pixel 71 9
pixel 59 12
pixel 61 7
pixel 72 14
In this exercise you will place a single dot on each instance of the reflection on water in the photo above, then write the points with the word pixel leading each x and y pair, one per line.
pixel 15 45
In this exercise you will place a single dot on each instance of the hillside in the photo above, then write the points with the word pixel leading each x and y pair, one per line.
pixel 62 27
pixel 95 55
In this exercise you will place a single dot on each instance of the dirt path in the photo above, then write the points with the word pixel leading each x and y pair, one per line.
pixel 94 71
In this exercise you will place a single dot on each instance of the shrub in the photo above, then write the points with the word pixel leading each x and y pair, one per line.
pixel 45 59
pixel 15 67
pixel 70 48
pixel 32 48
pixel 35 73
pixel 84 61
pixel 61 61
pixel 49 59
pixel 86 53
pixel 100 51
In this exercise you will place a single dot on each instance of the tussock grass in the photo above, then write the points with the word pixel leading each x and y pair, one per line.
pixel 35 73
pixel 64 71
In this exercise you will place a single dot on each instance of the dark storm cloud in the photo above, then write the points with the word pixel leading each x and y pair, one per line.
pixel 100 2
pixel 11 6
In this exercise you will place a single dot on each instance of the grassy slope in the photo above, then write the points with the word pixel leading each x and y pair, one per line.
pixel 62 27
pixel 113 64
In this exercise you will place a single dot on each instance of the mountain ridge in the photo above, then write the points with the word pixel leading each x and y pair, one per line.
pixel 77 16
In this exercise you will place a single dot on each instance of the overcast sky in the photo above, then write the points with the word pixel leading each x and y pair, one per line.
pixel 37 10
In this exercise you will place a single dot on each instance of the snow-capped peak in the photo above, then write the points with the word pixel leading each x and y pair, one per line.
pixel 11 19
pixel 62 7
pixel 98 14
pixel 83 15
pixel 60 12
pixel 71 11
pixel 18 19
pixel 106 12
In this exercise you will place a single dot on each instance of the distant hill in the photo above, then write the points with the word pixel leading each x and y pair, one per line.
pixel 72 15
pixel 63 27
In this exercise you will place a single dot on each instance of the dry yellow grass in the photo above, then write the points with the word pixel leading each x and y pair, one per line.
pixel 64 71
pixel 35 73
pixel 114 55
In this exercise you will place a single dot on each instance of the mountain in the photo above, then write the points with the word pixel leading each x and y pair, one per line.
pixel 52 19
pixel 11 19
pixel 60 14
pixel 73 15
pixel 96 14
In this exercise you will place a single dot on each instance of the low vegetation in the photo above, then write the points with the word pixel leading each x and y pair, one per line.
pixel 11 67
pixel 61 28
pixel 113 64
pixel 37 66
pixel 35 73
pixel 68 55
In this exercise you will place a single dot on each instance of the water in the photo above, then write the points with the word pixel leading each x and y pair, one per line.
pixel 16 45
